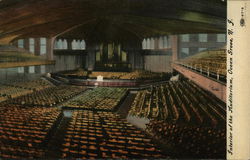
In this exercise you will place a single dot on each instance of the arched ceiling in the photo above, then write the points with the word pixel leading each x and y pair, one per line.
pixel 109 20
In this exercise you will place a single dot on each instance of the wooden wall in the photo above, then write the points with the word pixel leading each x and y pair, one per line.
pixel 158 63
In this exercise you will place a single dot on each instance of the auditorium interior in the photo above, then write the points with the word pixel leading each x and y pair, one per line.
pixel 109 79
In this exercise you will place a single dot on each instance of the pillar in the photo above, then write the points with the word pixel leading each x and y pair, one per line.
pixel 37 46
pixel 174 43
pixel 156 43
pixel 90 59
pixel 50 48
pixel 26 44
pixel 69 42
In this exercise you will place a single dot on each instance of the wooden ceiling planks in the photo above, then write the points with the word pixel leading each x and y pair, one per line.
pixel 108 20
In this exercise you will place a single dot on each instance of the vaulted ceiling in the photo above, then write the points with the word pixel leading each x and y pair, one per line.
pixel 109 20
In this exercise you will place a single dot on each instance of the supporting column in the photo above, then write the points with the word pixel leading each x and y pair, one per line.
pixel 174 43
pixel 26 44
pixel 37 46
pixel 26 69
pixel 14 43
pixel 156 42
pixel 69 42
pixel 90 59
pixel 50 48
pixel 38 69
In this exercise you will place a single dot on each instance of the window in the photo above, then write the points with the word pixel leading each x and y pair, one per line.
pixel 20 70
pixel 185 51
pixel 31 69
pixel 82 45
pixel 202 49
pixel 20 43
pixel 43 69
pixel 202 37
pixel 144 44
pixel 32 45
pixel 185 38
pixel 161 43
pixel 221 37
pixel 42 46
pixel 64 44
pixel 74 44
pixel 165 42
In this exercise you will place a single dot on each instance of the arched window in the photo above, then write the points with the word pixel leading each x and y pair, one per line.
pixel 144 44
pixel 65 44
pixel 78 44
pixel 20 43
pixel 74 45
pixel 83 45
pixel 59 44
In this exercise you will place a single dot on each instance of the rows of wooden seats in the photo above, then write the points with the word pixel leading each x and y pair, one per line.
pixel 180 101
pixel 186 141
pixel 208 61
pixel 100 98
pixel 12 92
pixel 105 135
pixel 36 85
pixel 24 131
pixel 49 96
pixel 13 89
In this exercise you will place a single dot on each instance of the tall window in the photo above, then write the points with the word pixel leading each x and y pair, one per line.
pixel 20 43
pixel 20 69
pixel 74 44
pixel 43 69
pixel 31 69
pixel 42 46
pixel 82 45
pixel 185 51
pixel 144 44
pixel 221 37
pixel 185 38
pixel 165 42
pixel 32 45
pixel 64 44
pixel 202 37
